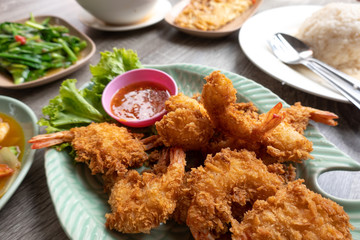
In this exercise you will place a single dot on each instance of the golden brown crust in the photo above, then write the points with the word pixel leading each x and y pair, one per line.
pixel 296 213
pixel 186 125
pixel 228 177
pixel 211 14
pixel 141 202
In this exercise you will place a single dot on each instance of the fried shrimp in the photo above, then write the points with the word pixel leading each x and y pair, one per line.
pixel 230 178
pixel 298 116
pixel 278 133
pixel 106 148
pixel 186 124
pixel 141 202
pixel 219 98
pixel 296 213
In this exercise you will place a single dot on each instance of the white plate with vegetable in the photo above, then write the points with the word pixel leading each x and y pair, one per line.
pixel 17 125
pixel 43 49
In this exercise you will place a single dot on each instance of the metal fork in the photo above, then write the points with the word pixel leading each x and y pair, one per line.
pixel 299 53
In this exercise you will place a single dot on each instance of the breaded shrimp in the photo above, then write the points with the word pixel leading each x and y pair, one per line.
pixel 286 142
pixel 186 124
pixel 106 148
pixel 219 98
pixel 182 101
pixel 141 202
pixel 298 116
pixel 294 213
pixel 229 178
pixel 278 133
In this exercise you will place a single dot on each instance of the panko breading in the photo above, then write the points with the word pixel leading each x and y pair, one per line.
pixel 211 14
pixel 298 116
pixel 276 133
pixel 229 178
pixel 141 202
pixel 234 119
pixel 186 124
pixel 106 148
pixel 294 213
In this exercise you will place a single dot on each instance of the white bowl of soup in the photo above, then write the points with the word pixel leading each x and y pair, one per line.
pixel 119 12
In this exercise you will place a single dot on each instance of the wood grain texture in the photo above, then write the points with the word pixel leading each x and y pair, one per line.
pixel 30 214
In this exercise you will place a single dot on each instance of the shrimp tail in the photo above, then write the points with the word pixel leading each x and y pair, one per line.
pixel 272 119
pixel 202 236
pixel 324 117
pixel 177 155
pixel 48 140
pixel 152 142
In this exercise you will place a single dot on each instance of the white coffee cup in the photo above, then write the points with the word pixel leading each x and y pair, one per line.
pixel 119 12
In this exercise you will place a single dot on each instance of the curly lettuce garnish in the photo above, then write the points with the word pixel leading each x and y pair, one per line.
pixel 76 108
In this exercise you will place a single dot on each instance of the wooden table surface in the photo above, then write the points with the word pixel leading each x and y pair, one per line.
pixel 30 213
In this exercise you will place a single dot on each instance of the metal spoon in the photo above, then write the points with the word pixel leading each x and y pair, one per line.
pixel 291 50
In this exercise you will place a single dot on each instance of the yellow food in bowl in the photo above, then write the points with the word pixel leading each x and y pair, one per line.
pixel 211 14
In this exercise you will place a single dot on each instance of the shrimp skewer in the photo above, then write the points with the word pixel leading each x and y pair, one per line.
pixel 141 202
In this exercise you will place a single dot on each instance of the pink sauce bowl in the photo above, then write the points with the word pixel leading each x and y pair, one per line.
pixel 134 76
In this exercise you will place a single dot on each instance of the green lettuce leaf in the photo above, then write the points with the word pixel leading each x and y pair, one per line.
pixel 76 108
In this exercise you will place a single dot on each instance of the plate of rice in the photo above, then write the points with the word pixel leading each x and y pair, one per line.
pixel 333 32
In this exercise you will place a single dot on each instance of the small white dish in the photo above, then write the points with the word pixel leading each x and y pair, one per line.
pixel 221 32
pixel 253 39
pixel 119 12
pixel 160 10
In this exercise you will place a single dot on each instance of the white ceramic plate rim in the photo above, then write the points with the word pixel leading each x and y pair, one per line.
pixel 159 12
pixel 253 39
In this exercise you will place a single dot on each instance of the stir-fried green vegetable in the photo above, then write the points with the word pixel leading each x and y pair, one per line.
pixel 29 50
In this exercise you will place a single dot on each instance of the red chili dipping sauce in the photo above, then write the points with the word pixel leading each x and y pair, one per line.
pixel 139 101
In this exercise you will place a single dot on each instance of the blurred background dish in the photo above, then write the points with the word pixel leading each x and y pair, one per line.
pixel 27 120
pixel 7 82
pixel 119 12
pixel 225 30
pixel 253 39
pixel 157 14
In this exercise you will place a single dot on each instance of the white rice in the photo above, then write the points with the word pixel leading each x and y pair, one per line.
pixel 333 33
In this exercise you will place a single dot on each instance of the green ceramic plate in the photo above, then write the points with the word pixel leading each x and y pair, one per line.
pixel 27 120
pixel 81 203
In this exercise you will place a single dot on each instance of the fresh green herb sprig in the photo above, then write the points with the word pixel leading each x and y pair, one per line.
pixel 28 51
